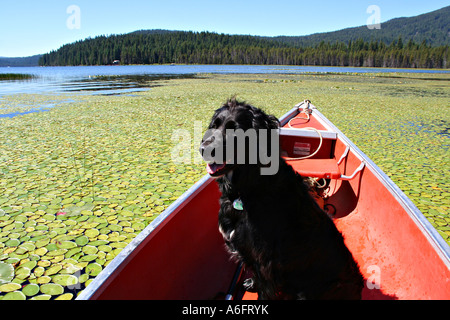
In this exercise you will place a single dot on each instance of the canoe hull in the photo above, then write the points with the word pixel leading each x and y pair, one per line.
pixel 181 254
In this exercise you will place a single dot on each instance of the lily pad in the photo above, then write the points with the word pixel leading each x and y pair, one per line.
pixel 43 280
pixel 81 241
pixel 44 263
pixel 30 264
pixel 39 271
pixel 67 201
pixel 10 287
pixel 52 289
pixel 66 296
pixel 65 280
pixel 12 243
pixel 42 297
pixel 93 269
pixel 6 272
pixel 66 245
pixel 91 233
pixel 41 251
pixel 90 249
pixel 72 252
pixel 58 252
pixel 31 289
pixel 16 295
pixel 88 258
pixel 53 270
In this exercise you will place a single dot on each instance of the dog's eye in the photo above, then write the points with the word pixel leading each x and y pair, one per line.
pixel 230 125
pixel 216 123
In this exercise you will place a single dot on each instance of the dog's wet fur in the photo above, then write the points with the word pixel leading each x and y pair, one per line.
pixel 291 246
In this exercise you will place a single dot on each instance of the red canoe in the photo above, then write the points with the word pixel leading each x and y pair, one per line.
pixel 181 254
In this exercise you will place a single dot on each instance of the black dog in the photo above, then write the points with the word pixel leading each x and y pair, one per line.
pixel 272 224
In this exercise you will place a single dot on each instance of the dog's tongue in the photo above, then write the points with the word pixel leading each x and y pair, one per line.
pixel 214 167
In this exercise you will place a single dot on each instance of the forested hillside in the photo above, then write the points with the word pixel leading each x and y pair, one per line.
pixel 416 42
pixel 212 48
pixel 20 62
pixel 433 27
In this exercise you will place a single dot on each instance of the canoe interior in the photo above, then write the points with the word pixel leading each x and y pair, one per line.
pixel 182 255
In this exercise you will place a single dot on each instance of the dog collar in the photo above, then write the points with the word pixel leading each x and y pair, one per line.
pixel 238 205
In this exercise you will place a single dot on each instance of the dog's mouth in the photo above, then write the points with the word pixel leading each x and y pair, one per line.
pixel 217 170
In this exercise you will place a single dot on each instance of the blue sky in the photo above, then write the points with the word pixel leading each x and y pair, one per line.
pixel 29 27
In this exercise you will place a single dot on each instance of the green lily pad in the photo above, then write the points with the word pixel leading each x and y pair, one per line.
pixel 72 252
pixel 30 264
pixel 66 296
pixel 31 289
pixel 16 295
pixel 90 249
pixel 81 241
pixel 10 287
pixel 12 243
pixel 28 245
pixel 83 278
pixel 42 297
pixel 115 227
pixel 23 273
pixel 93 269
pixel 66 245
pixel 53 270
pixel 41 251
pixel 105 248
pixel 97 243
pixel 58 252
pixel 88 258
pixel 49 217
pixel 65 280
pixel 44 263
pixel 52 289
pixel 42 242
pixel 43 280
pixel 67 201
pixel 91 233
pixel 6 272
pixel 39 271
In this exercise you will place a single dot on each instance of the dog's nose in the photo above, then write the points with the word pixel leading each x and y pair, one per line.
pixel 206 145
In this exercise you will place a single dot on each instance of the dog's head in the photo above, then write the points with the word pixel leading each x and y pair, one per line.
pixel 240 134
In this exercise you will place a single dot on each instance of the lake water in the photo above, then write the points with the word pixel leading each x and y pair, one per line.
pixel 127 79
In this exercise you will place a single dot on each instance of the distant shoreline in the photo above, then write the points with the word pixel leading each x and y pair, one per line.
pixel 425 70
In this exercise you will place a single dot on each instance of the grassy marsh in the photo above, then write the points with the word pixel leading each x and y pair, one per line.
pixel 16 76
pixel 79 181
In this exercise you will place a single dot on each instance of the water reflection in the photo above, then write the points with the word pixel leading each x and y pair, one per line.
pixel 118 84
pixel 128 79
pixel 15 114
pixel 441 127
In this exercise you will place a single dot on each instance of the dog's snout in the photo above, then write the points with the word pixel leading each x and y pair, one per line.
pixel 208 144
pixel 206 141
pixel 207 151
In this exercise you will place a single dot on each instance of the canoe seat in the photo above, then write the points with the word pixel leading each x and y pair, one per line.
pixel 323 168
pixel 316 168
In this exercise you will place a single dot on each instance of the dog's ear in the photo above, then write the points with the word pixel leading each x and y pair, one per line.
pixel 273 122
